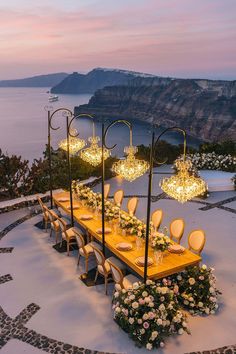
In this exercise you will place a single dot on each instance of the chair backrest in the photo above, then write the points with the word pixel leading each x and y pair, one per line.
pixel 80 240
pixel 196 241
pixel 132 205
pixel 45 211
pixel 106 190
pixel 118 197
pixel 176 229
pixel 62 225
pixel 99 256
pixel 117 274
pixel 40 202
pixel 52 215
pixel 157 216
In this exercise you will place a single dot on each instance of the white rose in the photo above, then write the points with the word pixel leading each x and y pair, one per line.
pixel 135 285
pixel 181 331
pixel 162 344
pixel 159 321
pixel 151 304
pixel 200 304
pixel 191 281
pixel 162 307
pixel 117 310
pixel 212 290
pixel 149 346
pixel 207 311
pixel 131 320
pixel 144 294
pixel 132 297
pixel 142 330
pixel 135 305
pixel 145 317
pixel 140 321
pixel 204 267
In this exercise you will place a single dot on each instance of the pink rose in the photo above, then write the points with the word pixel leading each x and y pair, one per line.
pixel 146 325
pixel 151 315
pixel 141 301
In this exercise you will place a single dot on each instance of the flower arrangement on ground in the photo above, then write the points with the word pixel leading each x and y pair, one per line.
pixel 149 314
pixel 212 161
pixel 197 290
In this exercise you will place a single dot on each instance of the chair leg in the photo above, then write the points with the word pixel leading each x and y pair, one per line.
pixel 78 260
pixel 86 265
pixel 68 248
pixel 106 278
pixel 96 277
pixel 46 225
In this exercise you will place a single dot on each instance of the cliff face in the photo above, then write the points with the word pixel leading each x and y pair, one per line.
pixel 94 80
pixel 205 108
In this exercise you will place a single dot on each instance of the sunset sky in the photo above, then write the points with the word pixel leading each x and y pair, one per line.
pixel 181 38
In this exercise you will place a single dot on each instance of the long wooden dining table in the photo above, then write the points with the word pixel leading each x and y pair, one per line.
pixel 171 264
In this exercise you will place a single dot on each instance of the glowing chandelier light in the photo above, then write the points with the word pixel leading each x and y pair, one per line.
pixel 93 154
pixel 183 186
pixel 75 144
pixel 130 168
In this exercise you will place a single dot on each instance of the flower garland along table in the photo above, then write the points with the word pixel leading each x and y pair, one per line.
pixel 172 263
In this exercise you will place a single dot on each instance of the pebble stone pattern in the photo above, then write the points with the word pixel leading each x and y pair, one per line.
pixel 5 278
pixel 231 349
pixel 6 249
pixel 15 328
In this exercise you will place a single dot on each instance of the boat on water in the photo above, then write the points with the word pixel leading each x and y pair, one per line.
pixel 53 98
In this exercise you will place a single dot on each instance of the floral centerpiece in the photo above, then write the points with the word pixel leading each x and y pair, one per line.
pixel 149 314
pixel 160 241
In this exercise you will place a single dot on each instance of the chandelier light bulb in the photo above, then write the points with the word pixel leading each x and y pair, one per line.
pixel 183 186
pixel 130 168
pixel 75 144
pixel 93 154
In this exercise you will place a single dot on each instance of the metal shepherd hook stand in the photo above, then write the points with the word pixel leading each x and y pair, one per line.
pixel 69 119
pixel 104 146
pixel 152 160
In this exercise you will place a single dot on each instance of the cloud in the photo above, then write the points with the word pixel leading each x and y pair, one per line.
pixel 156 35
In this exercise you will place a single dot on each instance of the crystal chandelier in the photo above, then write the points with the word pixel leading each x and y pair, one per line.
pixel 183 186
pixel 130 168
pixel 75 144
pixel 93 154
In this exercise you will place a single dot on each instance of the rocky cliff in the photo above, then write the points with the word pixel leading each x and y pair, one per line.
pixel 205 108
pixel 94 80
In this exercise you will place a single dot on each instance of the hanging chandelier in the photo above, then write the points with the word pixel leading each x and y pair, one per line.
pixel 93 154
pixel 75 144
pixel 183 186
pixel 130 168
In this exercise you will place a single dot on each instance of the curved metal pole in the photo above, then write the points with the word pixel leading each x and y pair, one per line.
pixel 82 115
pixel 67 114
pixel 152 152
pixel 104 134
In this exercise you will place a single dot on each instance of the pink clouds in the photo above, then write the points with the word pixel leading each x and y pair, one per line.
pixel 164 37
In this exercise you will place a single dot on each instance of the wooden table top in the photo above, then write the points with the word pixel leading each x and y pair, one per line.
pixel 171 264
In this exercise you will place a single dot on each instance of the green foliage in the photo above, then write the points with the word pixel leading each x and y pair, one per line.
pixel 163 152
pixel 224 148
pixel 13 175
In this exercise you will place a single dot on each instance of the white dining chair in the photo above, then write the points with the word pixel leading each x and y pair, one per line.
pixel 132 206
pixel 103 265
pixel 118 197
pixel 69 235
pixel 123 282
pixel 177 230
pixel 196 241
pixel 85 250
pixel 156 218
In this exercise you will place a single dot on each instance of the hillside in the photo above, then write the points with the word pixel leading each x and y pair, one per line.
pixel 35 81
pixel 96 79
pixel 205 108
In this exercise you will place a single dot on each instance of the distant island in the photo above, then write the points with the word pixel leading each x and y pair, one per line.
pixel 35 81
pixel 94 80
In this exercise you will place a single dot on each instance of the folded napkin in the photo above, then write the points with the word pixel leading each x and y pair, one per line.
pixel 75 206
pixel 64 199
pixel 141 260
pixel 176 249
pixel 124 246
pixel 86 217
pixel 107 230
